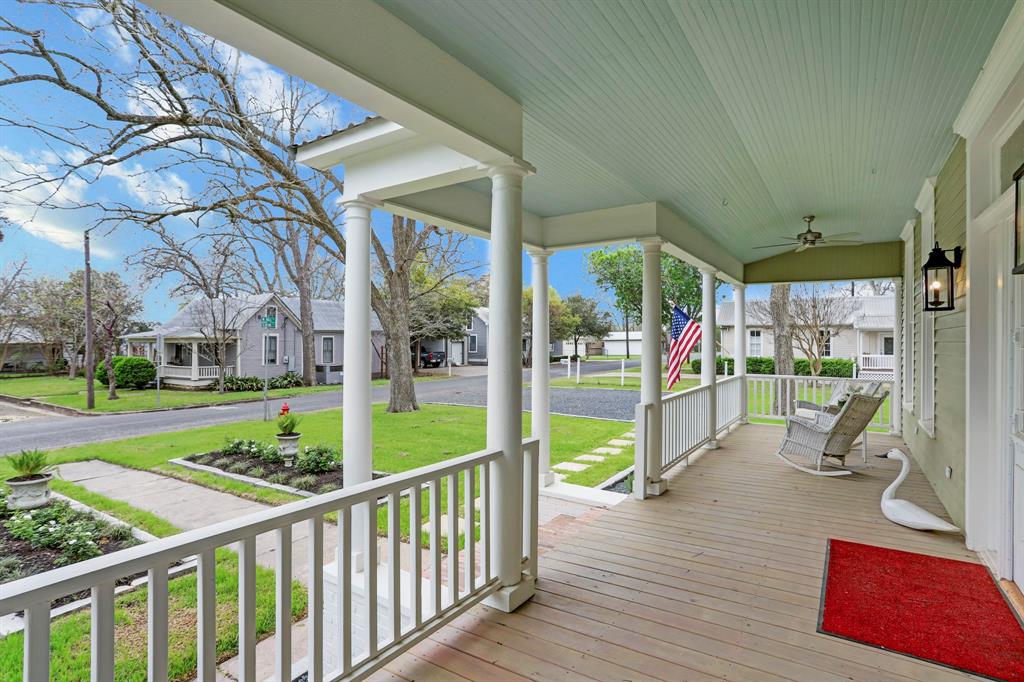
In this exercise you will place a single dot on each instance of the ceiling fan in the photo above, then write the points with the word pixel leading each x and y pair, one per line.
pixel 809 238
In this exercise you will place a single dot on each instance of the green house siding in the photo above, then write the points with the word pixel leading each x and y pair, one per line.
pixel 947 448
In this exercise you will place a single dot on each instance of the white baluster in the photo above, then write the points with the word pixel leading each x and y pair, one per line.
pixel 206 613
pixel 345 619
pixel 315 599
pixel 157 607
pixel 453 537
pixel 102 632
pixel 283 604
pixel 36 661
pixel 469 513
pixel 370 578
pixel 416 555
pixel 395 563
pixel 435 543
pixel 485 521
pixel 247 610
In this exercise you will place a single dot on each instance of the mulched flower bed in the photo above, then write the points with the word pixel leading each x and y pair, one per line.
pixel 38 540
pixel 317 469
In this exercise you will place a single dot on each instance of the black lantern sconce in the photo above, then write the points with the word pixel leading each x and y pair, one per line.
pixel 939 278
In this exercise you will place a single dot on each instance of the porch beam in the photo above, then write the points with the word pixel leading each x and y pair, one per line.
pixel 880 260
pixel 650 364
pixel 540 399
pixel 357 426
pixel 739 298
pixel 708 369
pixel 505 388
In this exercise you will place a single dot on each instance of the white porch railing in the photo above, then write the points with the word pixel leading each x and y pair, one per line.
pixel 728 408
pixel 684 424
pixel 426 609
pixel 875 362
pixel 176 372
pixel 773 396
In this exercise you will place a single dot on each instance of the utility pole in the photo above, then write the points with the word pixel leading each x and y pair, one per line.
pixel 90 391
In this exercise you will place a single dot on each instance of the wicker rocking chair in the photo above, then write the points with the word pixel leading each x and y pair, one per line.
pixel 828 435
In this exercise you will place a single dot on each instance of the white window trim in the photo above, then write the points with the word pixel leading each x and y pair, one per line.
pixel 926 206
pixel 473 347
pixel 750 342
pixel 469 327
pixel 263 359
pixel 909 283
pixel 276 311
pixel 334 346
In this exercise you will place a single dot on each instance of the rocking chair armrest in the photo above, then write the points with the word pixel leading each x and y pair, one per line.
pixel 826 419
pixel 807 424
pixel 808 405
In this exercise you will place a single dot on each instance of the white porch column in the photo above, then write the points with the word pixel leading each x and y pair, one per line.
pixel 357 425
pixel 195 361
pixel 540 399
pixel 896 397
pixel 505 386
pixel 650 362
pixel 708 370
pixel 739 300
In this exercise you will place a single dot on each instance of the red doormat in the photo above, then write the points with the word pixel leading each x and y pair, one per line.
pixel 940 610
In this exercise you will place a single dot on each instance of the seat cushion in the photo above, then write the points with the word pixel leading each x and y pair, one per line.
pixel 806 413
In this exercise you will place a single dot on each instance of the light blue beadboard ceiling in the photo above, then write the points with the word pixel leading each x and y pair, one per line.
pixel 741 116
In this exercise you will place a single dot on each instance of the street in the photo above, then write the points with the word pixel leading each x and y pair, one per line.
pixel 49 431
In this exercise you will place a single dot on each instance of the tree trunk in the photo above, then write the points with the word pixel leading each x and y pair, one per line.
pixel 108 363
pixel 72 364
pixel 222 362
pixel 782 331
pixel 308 339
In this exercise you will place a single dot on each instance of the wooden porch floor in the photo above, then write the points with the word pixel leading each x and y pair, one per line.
pixel 718 579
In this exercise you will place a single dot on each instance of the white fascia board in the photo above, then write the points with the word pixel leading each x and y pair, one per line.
pixel 461 209
pixel 337 148
pixel 415 165
pixel 1002 65
pixel 691 245
pixel 363 53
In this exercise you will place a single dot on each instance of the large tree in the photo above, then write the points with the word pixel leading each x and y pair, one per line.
pixel 559 320
pixel 14 303
pixel 147 89
pixel 818 313
pixel 585 320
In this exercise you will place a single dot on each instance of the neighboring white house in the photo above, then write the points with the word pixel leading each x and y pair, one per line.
pixel 866 337
pixel 252 349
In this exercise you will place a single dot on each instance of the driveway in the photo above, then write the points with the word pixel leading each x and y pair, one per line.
pixel 51 431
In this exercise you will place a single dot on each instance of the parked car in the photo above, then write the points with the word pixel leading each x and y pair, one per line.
pixel 432 358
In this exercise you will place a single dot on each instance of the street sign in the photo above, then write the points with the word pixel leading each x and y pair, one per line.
pixel 268 322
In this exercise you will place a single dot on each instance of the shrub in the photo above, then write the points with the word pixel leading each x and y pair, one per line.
pixel 256 471
pixel 327 488
pixel 306 482
pixel 286 380
pixel 278 479
pixel 287 421
pixel 130 371
pixel 318 459
pixel 830 367
pixel 221 462
pixel 239 468
pixel 58 527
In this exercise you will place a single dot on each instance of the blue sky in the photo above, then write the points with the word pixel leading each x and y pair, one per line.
pixel 52 238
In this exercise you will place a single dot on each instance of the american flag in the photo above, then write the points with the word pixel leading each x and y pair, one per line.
pixel 685 334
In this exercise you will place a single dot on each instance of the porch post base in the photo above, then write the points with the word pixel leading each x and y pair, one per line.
pixel 547 478
pixel 711 445
pixel 510 598
pixel 659 487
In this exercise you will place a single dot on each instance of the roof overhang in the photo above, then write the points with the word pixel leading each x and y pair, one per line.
pixel 881 260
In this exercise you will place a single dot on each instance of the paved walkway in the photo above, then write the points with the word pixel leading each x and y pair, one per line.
pixel 53 431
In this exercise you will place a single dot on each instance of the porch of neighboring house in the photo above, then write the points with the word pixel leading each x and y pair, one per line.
pixel 185 362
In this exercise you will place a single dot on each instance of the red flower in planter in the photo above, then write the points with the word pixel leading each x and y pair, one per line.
pixel 284 409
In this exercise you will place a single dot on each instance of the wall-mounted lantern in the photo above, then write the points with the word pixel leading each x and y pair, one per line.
pixel 939 279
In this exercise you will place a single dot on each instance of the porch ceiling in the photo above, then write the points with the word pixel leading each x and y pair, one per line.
pixel 741 117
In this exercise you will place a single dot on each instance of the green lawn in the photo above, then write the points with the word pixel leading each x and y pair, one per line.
pixel 759 403
pixel 71 393
pixel 69 635
pixel 615 381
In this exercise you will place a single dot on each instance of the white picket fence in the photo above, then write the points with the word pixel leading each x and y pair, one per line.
pixel 362 647
pixel 773 396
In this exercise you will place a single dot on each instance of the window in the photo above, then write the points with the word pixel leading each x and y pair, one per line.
pixel 327 353
pixel 472 343
pixel 469 327
pixel 755 348
pixel 825 343
pixel 270 349
pixel 887 345
pixel 272 312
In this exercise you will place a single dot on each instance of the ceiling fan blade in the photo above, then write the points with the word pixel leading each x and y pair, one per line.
pixel 844 242
pixel 802 247
pixel 842 235
pixel 771 246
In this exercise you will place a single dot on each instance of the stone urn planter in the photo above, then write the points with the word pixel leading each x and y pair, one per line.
pixel 29 492
pixel 30 485
pixel 287 438
pixel 288 446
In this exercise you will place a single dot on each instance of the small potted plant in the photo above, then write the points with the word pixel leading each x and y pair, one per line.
pixel 30 485
pixel 287 438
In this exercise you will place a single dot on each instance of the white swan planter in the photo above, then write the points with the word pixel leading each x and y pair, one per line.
pixel 905 512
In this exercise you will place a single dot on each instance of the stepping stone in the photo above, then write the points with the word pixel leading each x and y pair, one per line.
pixel 570 466
pixel 444 525
pixel 619 442
pixel 608 451
pixel 631 435
pixel 590 458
